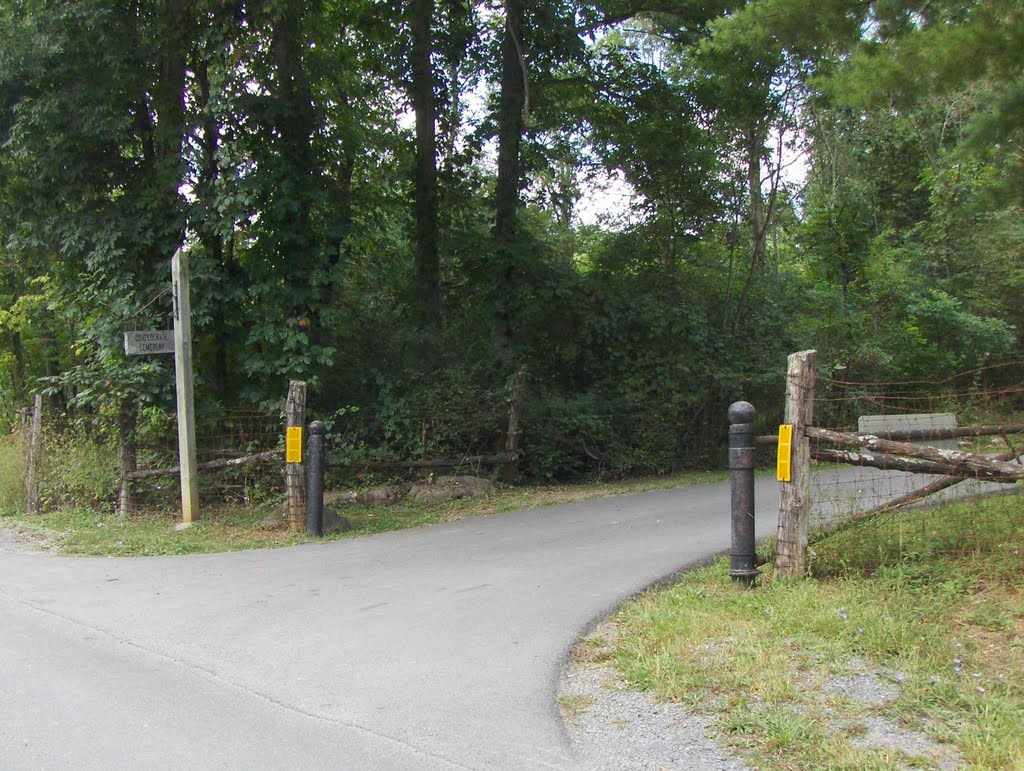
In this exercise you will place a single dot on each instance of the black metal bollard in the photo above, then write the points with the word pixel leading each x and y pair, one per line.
pixel 742 561
pixel 315 479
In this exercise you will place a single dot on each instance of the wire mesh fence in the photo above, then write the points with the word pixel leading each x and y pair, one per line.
pixel 221 436
pixel 977 412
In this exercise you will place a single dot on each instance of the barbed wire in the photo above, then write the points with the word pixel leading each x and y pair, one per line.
pixel 879 383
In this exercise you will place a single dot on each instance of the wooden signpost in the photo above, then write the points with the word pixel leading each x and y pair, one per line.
pixel 179 342
pixel 183 387
pixel 149 341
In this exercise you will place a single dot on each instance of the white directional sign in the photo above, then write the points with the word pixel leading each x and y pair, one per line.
pixel 150 341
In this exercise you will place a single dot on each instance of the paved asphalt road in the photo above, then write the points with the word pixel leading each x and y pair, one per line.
pixel 421 649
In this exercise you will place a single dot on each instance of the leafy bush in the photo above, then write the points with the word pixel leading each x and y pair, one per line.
pixel 77 470
pixel 12 472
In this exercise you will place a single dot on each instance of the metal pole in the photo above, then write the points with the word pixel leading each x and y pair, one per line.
pixel 742 561
pixel 315 479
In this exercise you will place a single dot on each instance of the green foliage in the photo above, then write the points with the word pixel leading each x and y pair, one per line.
pixel 12 473
pixel 77 470
pixel 982 536
pixel 926 602
pixel 939 336
pixel 272 134
pixel 85 531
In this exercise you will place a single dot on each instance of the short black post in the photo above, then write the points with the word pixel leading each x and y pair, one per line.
pixel 742 561
pixel 315 479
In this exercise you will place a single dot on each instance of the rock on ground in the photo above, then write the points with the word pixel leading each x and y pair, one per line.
pixel 449 487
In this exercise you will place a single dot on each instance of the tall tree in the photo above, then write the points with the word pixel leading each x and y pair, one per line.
pixel 510 122
pixel 425 197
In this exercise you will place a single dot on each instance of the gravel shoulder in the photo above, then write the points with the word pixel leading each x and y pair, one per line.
pixel 613 727
pixel 16 538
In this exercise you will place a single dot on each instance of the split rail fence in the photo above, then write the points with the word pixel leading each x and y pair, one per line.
pixel 862 450
pixel 244 458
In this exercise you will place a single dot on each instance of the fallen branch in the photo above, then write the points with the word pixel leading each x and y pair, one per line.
pixel 978 465
pixel 208 465
pixel 903 501
pixel 924 434
pixel 390 464
pixel 886 462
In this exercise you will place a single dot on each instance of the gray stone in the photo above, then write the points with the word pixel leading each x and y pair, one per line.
pixel 334 522
pixel 468 484
pixel 383 495
pixel 429 493
pixel 377 496
pixel 450 487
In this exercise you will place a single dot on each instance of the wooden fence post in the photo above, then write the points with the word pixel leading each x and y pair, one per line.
pixel 127 458
pixel 35 445
pixel 508 471
pixel 295 474
pixel 794 495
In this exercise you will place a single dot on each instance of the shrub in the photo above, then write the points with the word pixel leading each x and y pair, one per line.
pixel 12 472
pixel 77 471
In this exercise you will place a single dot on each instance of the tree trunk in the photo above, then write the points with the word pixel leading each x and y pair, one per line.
pixel 511 108
pixel 290 219
pixel 428 271
pixel 510 124
pixel 19 363
pixel 127 420
pixel 756 219
pixel 756 199
pixel 168 134
pixel 35 444
pixel 210 233
pixel 515 413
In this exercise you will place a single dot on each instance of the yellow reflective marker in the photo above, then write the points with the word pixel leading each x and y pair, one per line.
pixel 293 445
pixel 783 467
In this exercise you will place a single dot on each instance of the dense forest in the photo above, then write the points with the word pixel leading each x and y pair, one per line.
pixel 645 204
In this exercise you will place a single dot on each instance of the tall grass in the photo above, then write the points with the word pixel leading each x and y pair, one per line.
pixel 75 471
pixel 12 473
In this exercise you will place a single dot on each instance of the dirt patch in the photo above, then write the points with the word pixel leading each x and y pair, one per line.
pixel 17 538
pixel 884 734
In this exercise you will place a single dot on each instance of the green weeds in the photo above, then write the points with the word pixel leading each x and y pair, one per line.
pixel 936 616
pixel 12 473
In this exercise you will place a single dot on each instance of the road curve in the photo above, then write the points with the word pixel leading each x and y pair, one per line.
pixel 419 649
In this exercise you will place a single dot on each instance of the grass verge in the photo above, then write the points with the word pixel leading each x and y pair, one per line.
pixel 82 531
pixel 926 622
